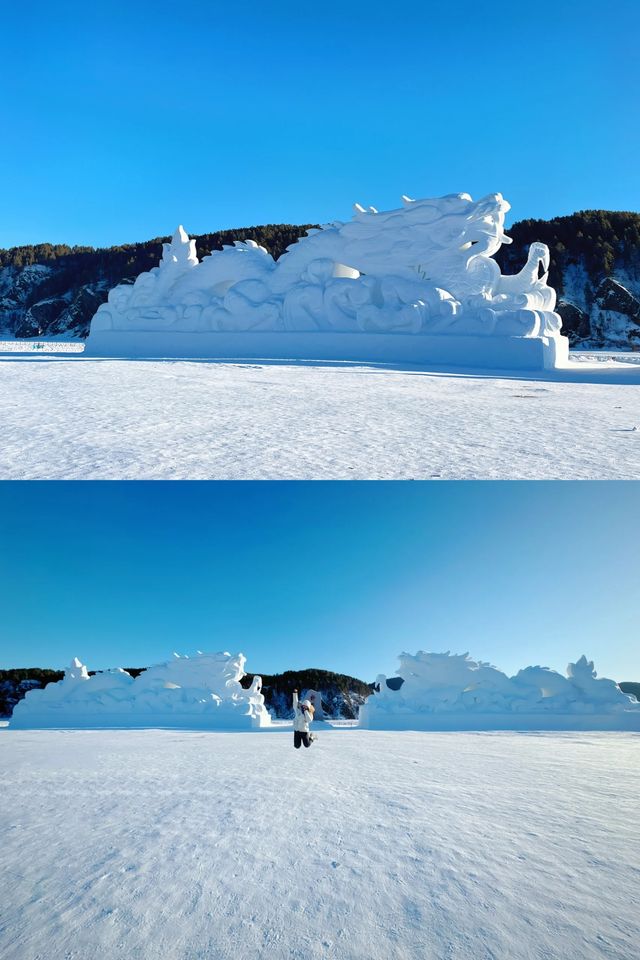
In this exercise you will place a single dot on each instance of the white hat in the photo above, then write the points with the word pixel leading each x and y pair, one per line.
pixel 306 703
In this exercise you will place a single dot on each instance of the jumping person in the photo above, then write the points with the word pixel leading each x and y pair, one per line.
pixel 302 717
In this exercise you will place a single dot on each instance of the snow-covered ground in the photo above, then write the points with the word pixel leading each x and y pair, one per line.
pixel 50 345
pixel 158 844
pixel 75 418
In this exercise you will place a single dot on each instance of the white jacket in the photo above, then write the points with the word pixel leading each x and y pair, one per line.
pixel 301 716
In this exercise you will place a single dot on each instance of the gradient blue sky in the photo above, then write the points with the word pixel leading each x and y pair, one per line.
pixel 121 119
pixel 342 576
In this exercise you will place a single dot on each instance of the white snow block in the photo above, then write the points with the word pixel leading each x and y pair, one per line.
pixel 416 284
pixel 199 692
pixel 443 691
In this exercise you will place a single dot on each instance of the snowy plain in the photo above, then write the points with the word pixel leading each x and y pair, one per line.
pixel 164 844
pixel 68 417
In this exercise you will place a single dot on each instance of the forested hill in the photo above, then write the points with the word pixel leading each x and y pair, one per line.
pixel 341 695
pixel 54 290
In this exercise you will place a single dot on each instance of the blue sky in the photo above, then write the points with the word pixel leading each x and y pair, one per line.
pixel 342 576
pixel 121 119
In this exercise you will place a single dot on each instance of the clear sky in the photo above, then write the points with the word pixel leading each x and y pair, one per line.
pixel 121 118
pixel 342 576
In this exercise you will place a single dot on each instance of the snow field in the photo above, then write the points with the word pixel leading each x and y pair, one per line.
pixel 152 844
pixel 41 346
pixel 106 419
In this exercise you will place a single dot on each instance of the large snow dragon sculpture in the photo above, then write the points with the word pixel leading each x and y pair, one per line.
pixel 425 268
pixel 440 685
pixel 201 690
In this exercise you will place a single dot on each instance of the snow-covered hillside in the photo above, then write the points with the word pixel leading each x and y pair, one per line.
pixel 595 268
pixel 183 845
pixel 605 315
pixel 43 299
pixel 65 418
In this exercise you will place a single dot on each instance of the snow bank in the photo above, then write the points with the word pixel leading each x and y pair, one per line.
pixel 443 691
pixel 414 284
pixel 203 691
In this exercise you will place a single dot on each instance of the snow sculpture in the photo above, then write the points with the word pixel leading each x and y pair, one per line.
pixel 449 691
pixel 316 700
pixel 413 283
pixel 203 690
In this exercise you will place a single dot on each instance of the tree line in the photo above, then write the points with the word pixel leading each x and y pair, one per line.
pixel 601 239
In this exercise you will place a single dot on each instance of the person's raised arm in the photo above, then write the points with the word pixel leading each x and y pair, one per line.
pixel 295 701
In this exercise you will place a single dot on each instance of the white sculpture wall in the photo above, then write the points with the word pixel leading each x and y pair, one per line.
pixel 443 691
pixel 414 284
pixel 203 691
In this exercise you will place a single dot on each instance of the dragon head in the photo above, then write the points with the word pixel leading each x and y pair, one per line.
pixel 424 233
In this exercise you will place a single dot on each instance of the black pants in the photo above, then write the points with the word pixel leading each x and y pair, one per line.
pixel 300 737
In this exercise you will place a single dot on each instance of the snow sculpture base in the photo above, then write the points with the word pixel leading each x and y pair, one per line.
pixel 629 721
pixel 488 353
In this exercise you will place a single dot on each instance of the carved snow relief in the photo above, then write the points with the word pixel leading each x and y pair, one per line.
pixel 424 269
pixel 203 690
pixel 449 691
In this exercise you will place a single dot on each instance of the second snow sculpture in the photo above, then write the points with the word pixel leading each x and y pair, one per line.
pixel 416 283
pixel 443 691
pixel 203 691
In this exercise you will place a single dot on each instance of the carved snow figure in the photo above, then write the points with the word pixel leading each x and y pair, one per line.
pixel 425 269
pixel 203 691
pixel 445 691
pixel 315 698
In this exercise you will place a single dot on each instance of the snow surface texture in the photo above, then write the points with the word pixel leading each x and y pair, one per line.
pixel 159 844
pixel 199 691
pixel 52 345
pixel 444 691
pixel 68 418
pixel 426 268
